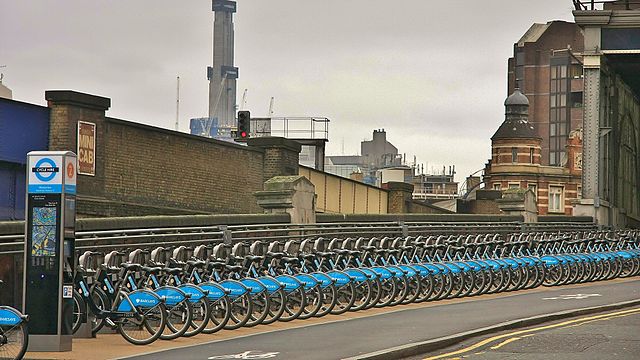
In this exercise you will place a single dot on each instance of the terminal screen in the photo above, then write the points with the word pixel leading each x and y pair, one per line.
pixel 44 231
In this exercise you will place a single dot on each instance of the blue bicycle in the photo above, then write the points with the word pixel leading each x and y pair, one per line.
pixel 14 336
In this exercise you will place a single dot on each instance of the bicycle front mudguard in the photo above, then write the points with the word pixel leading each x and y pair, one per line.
pixel 142 298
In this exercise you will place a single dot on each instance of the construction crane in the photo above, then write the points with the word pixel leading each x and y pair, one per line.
pixel 271 107
pixel 215 107
pixel 243 103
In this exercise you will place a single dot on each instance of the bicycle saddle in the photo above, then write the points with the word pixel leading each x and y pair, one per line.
pixel 151 270
pixel 173 271
pixel 253 258
pixel 234 268
pixel 290 260
pixel 130 267
pixel 196 263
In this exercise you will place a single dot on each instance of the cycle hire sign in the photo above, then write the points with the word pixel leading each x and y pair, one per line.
pixel 45 174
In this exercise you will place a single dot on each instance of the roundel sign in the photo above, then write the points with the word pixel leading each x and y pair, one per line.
pixel 46 173
pixel 71 170
pixel 46 169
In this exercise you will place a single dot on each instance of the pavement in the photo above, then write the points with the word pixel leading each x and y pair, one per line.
pixel 366 334
pixel 612 335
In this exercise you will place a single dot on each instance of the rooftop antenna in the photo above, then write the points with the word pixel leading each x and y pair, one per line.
pixel 177 102
pixel 1 74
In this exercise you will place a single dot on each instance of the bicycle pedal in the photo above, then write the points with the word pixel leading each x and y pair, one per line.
pixel 110 323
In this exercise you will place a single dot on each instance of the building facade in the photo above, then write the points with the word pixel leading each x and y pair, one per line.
pixel 547 68
pixel 516 161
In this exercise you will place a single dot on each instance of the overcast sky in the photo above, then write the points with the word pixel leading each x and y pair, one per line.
pixel 433 74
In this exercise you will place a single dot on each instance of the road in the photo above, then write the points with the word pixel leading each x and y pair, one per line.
pixel 353 337
pixel 613 335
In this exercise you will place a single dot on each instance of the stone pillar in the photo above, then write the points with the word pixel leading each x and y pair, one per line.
pixel 519 202
pixel 400 197
pixel 294 195
pixel 67 109
pixel 281 155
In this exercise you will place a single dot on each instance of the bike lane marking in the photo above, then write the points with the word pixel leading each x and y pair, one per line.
pixel 246 355
pixel 575 322
pixel 572 297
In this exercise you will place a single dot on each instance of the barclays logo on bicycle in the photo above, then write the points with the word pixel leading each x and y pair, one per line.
pixel 9 320
pixel 146 301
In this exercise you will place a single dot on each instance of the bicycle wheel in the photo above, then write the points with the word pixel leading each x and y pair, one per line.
pixel 468 283
pixel 101 300
pixel 413 289
pixel 219 315
pixel 402 290
pixel 199 318
pixel 276 306
pixel 362 295
pixel 553 274
pixel 439 286
pixel 376 292
pixel 178 319
pixel 13 341
pixel 294 304
pixel 388 290
pixel 313 302
pixel 329 300
pixel 146 327
pixel 241 308
pixel 344 299
pixel 260 308
pixel 426 288
pixel 481 279
pixel 79 312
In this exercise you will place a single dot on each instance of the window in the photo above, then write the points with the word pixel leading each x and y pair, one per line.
pixel 534 189
pixel 579 192
pixel 514 154
pixel 496 186
pixel 514 186
pixel 531 155
pixel 576 71
pixel 556 199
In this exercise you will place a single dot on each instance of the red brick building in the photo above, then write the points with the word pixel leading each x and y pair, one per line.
pixel 547 68
pixel 516 154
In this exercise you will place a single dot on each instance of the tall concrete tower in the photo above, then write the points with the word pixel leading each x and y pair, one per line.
pixel 222 75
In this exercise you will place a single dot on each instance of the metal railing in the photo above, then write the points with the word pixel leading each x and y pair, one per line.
pixel 194 235
pixel 599 5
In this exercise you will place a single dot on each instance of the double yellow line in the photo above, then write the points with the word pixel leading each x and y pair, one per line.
pixel 513 336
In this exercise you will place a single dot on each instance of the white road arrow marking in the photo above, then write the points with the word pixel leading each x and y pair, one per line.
pixel 251 354
pixel 572 297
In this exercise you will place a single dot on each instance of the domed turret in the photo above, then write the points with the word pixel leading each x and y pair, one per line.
pixel 517 98
pixel 516 123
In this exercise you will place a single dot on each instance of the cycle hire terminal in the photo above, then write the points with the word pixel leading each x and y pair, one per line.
pixel 49 259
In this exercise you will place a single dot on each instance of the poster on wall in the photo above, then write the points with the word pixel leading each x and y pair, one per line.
pixel 86 148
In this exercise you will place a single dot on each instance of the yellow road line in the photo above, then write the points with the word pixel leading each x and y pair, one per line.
pixel 498 337
pixel 505 343
pixel 590 321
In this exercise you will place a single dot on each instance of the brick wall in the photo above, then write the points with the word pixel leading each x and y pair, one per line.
pixel 144 170
pixel 167 169
pixel 280 155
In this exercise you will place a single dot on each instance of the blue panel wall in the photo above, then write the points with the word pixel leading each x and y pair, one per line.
pixel 23 128
pixel 12 191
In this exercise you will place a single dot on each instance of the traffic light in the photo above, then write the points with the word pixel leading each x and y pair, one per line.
pixel 244 124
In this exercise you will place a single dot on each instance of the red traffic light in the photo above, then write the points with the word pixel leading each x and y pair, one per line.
pixel 243 134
